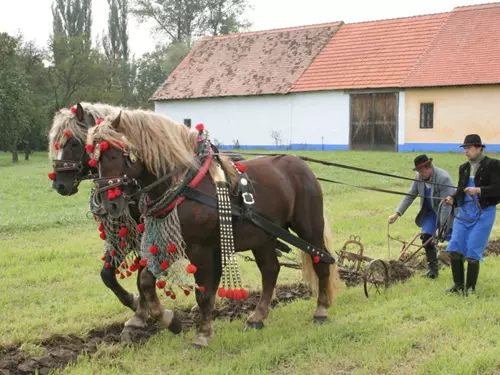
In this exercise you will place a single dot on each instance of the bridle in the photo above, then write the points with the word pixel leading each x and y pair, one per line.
pixel 73 166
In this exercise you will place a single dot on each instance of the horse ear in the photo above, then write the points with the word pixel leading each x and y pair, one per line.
pixel 80 113
pixel 116 122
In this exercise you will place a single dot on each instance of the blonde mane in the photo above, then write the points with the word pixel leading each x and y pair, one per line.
pixel 64 119
pixel 159 142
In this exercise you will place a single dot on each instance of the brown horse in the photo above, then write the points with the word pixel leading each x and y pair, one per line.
pixel 285 190
pixel 67 139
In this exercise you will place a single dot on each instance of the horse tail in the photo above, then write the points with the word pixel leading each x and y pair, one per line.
pixel 309 275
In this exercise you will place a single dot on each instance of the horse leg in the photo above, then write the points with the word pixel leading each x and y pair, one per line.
pixel 166 317
pixel 108 277
pixel 138 320
pixel 208 274
pixel 323 278
pixel 216 279
pixel 267 261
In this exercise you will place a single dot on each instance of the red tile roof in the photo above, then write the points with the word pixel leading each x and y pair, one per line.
pixel 371 54
pixel 266 62
pixel 466 51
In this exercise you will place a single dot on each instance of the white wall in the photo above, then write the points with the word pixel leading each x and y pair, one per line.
pixel 303 118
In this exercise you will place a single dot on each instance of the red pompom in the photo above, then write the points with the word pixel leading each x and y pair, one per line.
pixel 123 244
pixel 191 268
pixel 95 218
pixel 107 265
pixel 221 292
pixel 129 273
pixel 101 227
pixel 136 261
pixel 244 293
pixel 201 289
pixel 168 293
pixel 111 195
pixel 229 293
pixel 186 292
pixel 173 296
pixel 117 192
pixel 123 232
pixel 154 250
pixel 122 276
pixel 73 110
pixel 52 175
pixel 93 163
pixel 164 265
pixel 113 253
pixel 316 259
pixel 117 271
pixel 123 265
pixel 103 146
pixel 89 148
pixel 103 258
pixel 171 248
pixel 236 294
pixel 143 262
pixel 133 267
pixel 67 133
pixel 99 121
pixel 57 146
pixel 141 227
pixel 200 127
pixel 161 284
pixel 102 235
pixel 240 167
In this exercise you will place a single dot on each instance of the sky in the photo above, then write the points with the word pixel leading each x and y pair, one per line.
pixel 34 18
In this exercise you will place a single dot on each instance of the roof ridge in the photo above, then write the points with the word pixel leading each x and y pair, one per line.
pixel 417 62
pixel 476 6
pixel 398 18
pixel 276 30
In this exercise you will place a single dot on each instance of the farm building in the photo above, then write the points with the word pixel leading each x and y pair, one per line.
pixel 407 84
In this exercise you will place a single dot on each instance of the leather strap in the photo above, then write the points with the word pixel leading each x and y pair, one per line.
pixel 263 223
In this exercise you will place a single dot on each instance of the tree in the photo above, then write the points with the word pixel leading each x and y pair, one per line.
pixel 14 95
pixel 184 20
pixel 72 18
pixel 154 67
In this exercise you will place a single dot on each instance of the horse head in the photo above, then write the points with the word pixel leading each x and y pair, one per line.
pixel 67 146
pixel 119 167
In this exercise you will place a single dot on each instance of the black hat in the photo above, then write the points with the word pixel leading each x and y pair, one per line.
pixel 421 161
pixel 472 140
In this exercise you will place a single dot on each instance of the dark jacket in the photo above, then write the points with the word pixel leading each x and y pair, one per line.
pixel 487 178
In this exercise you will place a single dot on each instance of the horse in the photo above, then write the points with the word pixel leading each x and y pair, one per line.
pixel 67 138
pixel 286 192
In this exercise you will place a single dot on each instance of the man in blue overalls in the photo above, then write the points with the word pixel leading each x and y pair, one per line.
pixel 432 185
pixel 477 195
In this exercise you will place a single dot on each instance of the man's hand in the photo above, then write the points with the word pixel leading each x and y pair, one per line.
pixel 449 201
pixel 472 191
pixel 393 218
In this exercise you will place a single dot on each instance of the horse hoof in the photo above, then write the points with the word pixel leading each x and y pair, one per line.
pixel 175 326
pixel 197 346
pixel 254 325
pixel 319 319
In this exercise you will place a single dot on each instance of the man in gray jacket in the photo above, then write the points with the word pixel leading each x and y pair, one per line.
pixel 432 185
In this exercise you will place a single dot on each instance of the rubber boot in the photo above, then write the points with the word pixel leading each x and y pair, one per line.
pixel 432 261
pixel 457 269
pixel 472 275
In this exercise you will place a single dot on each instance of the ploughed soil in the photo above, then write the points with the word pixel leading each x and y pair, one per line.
pixel 62 350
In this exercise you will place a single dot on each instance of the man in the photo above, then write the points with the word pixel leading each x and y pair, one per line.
pixel 431 183
pixel 477 195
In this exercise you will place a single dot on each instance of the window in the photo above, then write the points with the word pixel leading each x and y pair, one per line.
pixel 187 122
pixel 426 115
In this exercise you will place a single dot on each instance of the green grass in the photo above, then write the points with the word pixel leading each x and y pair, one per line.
pixel 50 284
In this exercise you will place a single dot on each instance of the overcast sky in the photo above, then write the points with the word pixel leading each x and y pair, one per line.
pixel 34 17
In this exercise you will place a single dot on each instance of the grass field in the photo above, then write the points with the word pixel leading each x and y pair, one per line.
pixel 50 284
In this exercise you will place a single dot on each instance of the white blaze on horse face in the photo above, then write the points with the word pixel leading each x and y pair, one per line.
pixel 60 154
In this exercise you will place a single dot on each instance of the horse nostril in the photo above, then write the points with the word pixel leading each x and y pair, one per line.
pixel 114 206
pixel 61 188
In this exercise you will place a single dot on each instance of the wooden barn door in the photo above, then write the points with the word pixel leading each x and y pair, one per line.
pixel 374 122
